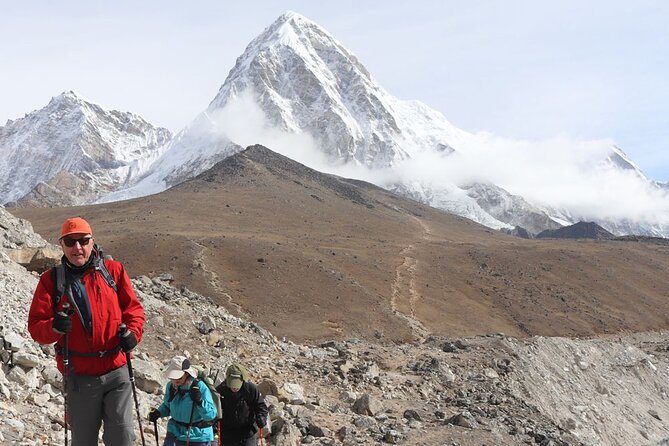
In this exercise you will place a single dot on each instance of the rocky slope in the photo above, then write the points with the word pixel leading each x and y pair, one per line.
pixel 460 391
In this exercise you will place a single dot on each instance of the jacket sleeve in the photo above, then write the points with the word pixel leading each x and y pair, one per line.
pixel 40 316
pixel 258 405
pixel 207 410
pixel 164 407
pixel 132 312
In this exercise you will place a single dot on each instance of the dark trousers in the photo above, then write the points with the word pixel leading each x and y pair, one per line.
pixel 236 441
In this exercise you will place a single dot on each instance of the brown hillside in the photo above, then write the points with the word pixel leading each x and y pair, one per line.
pixel 313 256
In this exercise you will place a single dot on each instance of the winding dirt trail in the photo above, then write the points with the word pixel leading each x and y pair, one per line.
pixel 214 280
pixel 404 296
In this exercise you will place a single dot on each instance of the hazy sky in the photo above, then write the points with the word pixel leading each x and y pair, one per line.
pixel 535 70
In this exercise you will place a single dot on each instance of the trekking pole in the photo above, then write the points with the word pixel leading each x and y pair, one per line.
pixel 121 330
pixel 261 437
pixel 66 367
pixel 155 430
pixel 190 424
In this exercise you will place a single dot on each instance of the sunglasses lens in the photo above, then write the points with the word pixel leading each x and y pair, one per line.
pixel 70 242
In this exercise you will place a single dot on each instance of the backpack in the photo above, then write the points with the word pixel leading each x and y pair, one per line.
pixel 60 281
pixel 208 377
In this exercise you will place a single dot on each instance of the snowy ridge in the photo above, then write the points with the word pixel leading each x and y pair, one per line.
pixel 193 150
pixel 72 137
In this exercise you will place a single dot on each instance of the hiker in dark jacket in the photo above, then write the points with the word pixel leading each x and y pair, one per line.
pixel 244 408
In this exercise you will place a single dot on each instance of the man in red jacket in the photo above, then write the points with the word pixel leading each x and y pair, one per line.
pixel 98 384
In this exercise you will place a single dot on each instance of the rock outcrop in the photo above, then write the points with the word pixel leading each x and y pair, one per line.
pixel 24 246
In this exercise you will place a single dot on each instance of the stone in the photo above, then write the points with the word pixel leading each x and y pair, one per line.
pixel 367 405
pixel 317 431
pixel 40 398
pixel 392 437
pixel 52 376
pixel 463 419
pixel 13 341
pixel 292 392
pixel 206 325
pixel 268 387
pixel 148 376
pixel 411 414
pixel 26 360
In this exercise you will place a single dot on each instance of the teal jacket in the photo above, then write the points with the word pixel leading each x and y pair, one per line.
pixel 178 405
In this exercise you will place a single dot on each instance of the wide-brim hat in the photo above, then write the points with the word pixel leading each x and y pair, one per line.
pixel 178 366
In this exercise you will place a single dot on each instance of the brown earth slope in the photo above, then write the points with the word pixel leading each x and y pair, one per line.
pixel 313 256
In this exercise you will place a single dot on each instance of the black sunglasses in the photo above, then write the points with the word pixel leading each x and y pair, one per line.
pixel 69 242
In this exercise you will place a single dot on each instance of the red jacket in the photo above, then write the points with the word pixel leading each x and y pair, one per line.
pixel 108 310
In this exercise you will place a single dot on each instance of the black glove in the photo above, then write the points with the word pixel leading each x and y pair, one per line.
pixel 61 323
pixel 154 414
pixel 260 421
pixel 196 394
pixel 127 340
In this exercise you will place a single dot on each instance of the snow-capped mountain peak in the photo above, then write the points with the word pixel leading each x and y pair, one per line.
pixel 619 160
pixel 300 92
pixel 306 81
pixel 305 38
pixel 71 136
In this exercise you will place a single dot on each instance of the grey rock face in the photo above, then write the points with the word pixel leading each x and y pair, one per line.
pixel 23 246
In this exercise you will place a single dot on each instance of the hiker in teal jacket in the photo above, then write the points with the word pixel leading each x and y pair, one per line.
pixel 190 405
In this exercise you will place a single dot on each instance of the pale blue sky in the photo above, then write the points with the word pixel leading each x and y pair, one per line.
pixel 522 69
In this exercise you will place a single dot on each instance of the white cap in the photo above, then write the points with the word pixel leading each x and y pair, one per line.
pixel 178 366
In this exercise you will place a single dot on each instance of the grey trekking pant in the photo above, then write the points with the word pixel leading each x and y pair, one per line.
pixel 93 400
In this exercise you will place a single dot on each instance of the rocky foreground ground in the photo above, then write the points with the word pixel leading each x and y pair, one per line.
pixel 487 390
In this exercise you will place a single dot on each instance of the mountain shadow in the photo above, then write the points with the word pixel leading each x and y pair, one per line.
pixel 580 230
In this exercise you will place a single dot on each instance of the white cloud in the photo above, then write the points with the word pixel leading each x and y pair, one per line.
pixel 560 172
pixel 244 122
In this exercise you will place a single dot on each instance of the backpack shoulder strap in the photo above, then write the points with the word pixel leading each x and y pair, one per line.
pixel 100 266
pixel 58 277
